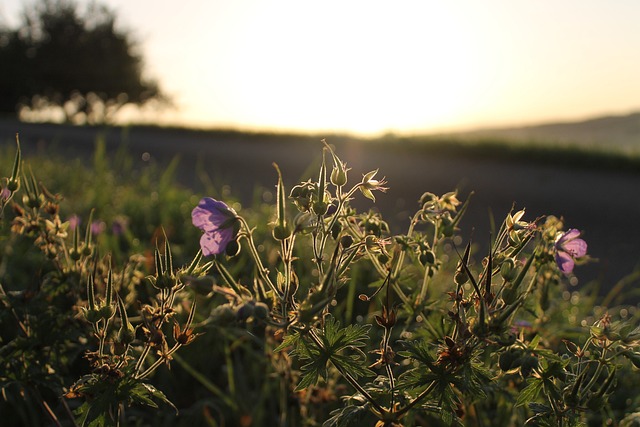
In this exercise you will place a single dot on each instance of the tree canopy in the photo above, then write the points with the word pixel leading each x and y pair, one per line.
pixel 78 63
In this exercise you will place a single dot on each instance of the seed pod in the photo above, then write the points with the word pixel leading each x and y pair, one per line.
pixel 92 316
pixel 126 335
pixel 107 312
pixel 427 257
pixel 508 270
pixel 346 241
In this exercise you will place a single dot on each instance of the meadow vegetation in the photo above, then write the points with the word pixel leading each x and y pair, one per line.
pixel 128 300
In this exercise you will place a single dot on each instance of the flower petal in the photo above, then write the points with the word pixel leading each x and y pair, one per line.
pixel 565 262
pixel 576 248
pixel 201 218
pixel 211 214
pixel 215 243
pixel 569 235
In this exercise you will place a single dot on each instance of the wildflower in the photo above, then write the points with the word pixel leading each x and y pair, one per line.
pixel 218 221
pixel 449 201
pixel 514 223
pixel 56 228
pixel 97 227
pixel 74 221
pixel 368 184
pixel 5 194
pixel 569 247
pixel 119 226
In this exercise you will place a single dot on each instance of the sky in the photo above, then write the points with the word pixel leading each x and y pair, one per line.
pixel 371 67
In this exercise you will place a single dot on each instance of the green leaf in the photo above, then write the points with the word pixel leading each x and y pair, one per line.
pixel 534 342
pixel 539 409
pixel 158 395
pixel 530 392
pixel 350 415
pixel 291 340
pixel 339 345
pixel 418 350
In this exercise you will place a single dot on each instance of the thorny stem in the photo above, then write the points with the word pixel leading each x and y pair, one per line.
pixel 596 374
pixel 262 271
pixel 342 198
pixel 286 248
pixel 103 337
pixel 162 359
pixel 143 356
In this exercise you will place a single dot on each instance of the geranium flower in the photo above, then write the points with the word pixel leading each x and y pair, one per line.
pixel 218 221
pixel 74 221
pixel 5 193
pixel 568 248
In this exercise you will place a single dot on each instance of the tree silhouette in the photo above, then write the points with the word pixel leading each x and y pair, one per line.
pixel 79 64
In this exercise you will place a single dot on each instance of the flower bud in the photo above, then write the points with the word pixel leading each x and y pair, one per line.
pixel 87 250
pixel 335 230
pixel 74 254
pixel 107 312
pixel 13 185
pixel 320 207
pixel 280 232
pixel 510 294
pixel 33 201
pixel 338 176
pixel 427 257
pixel 460 277
pixel 508 270
pixel 127 334
pixel 346 241
pixel 163 281
pixel 92 316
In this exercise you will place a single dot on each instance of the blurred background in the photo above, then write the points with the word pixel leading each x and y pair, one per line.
pixel 526 103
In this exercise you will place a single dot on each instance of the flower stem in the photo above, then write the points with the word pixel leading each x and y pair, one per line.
pixel 262 271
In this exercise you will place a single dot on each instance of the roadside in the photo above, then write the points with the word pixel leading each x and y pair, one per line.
pixel 601 203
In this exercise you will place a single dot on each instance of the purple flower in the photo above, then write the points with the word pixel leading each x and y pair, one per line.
pixel 119 226
pixel 218 221
pixel 74 221
pixel 568 248
pixel 5 193
pixel 97 227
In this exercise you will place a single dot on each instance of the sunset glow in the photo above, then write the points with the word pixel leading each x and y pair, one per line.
pixel 371 67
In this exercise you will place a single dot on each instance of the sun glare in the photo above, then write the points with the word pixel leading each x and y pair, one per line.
pixel 365 69
pixel 367 66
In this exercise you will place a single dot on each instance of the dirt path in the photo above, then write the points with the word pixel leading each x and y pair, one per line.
pixel 601 203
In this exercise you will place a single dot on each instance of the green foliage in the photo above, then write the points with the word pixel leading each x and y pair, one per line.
pixel 318 316
pixel 316 348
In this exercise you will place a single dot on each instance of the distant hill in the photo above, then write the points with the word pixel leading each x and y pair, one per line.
pixel 620 132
